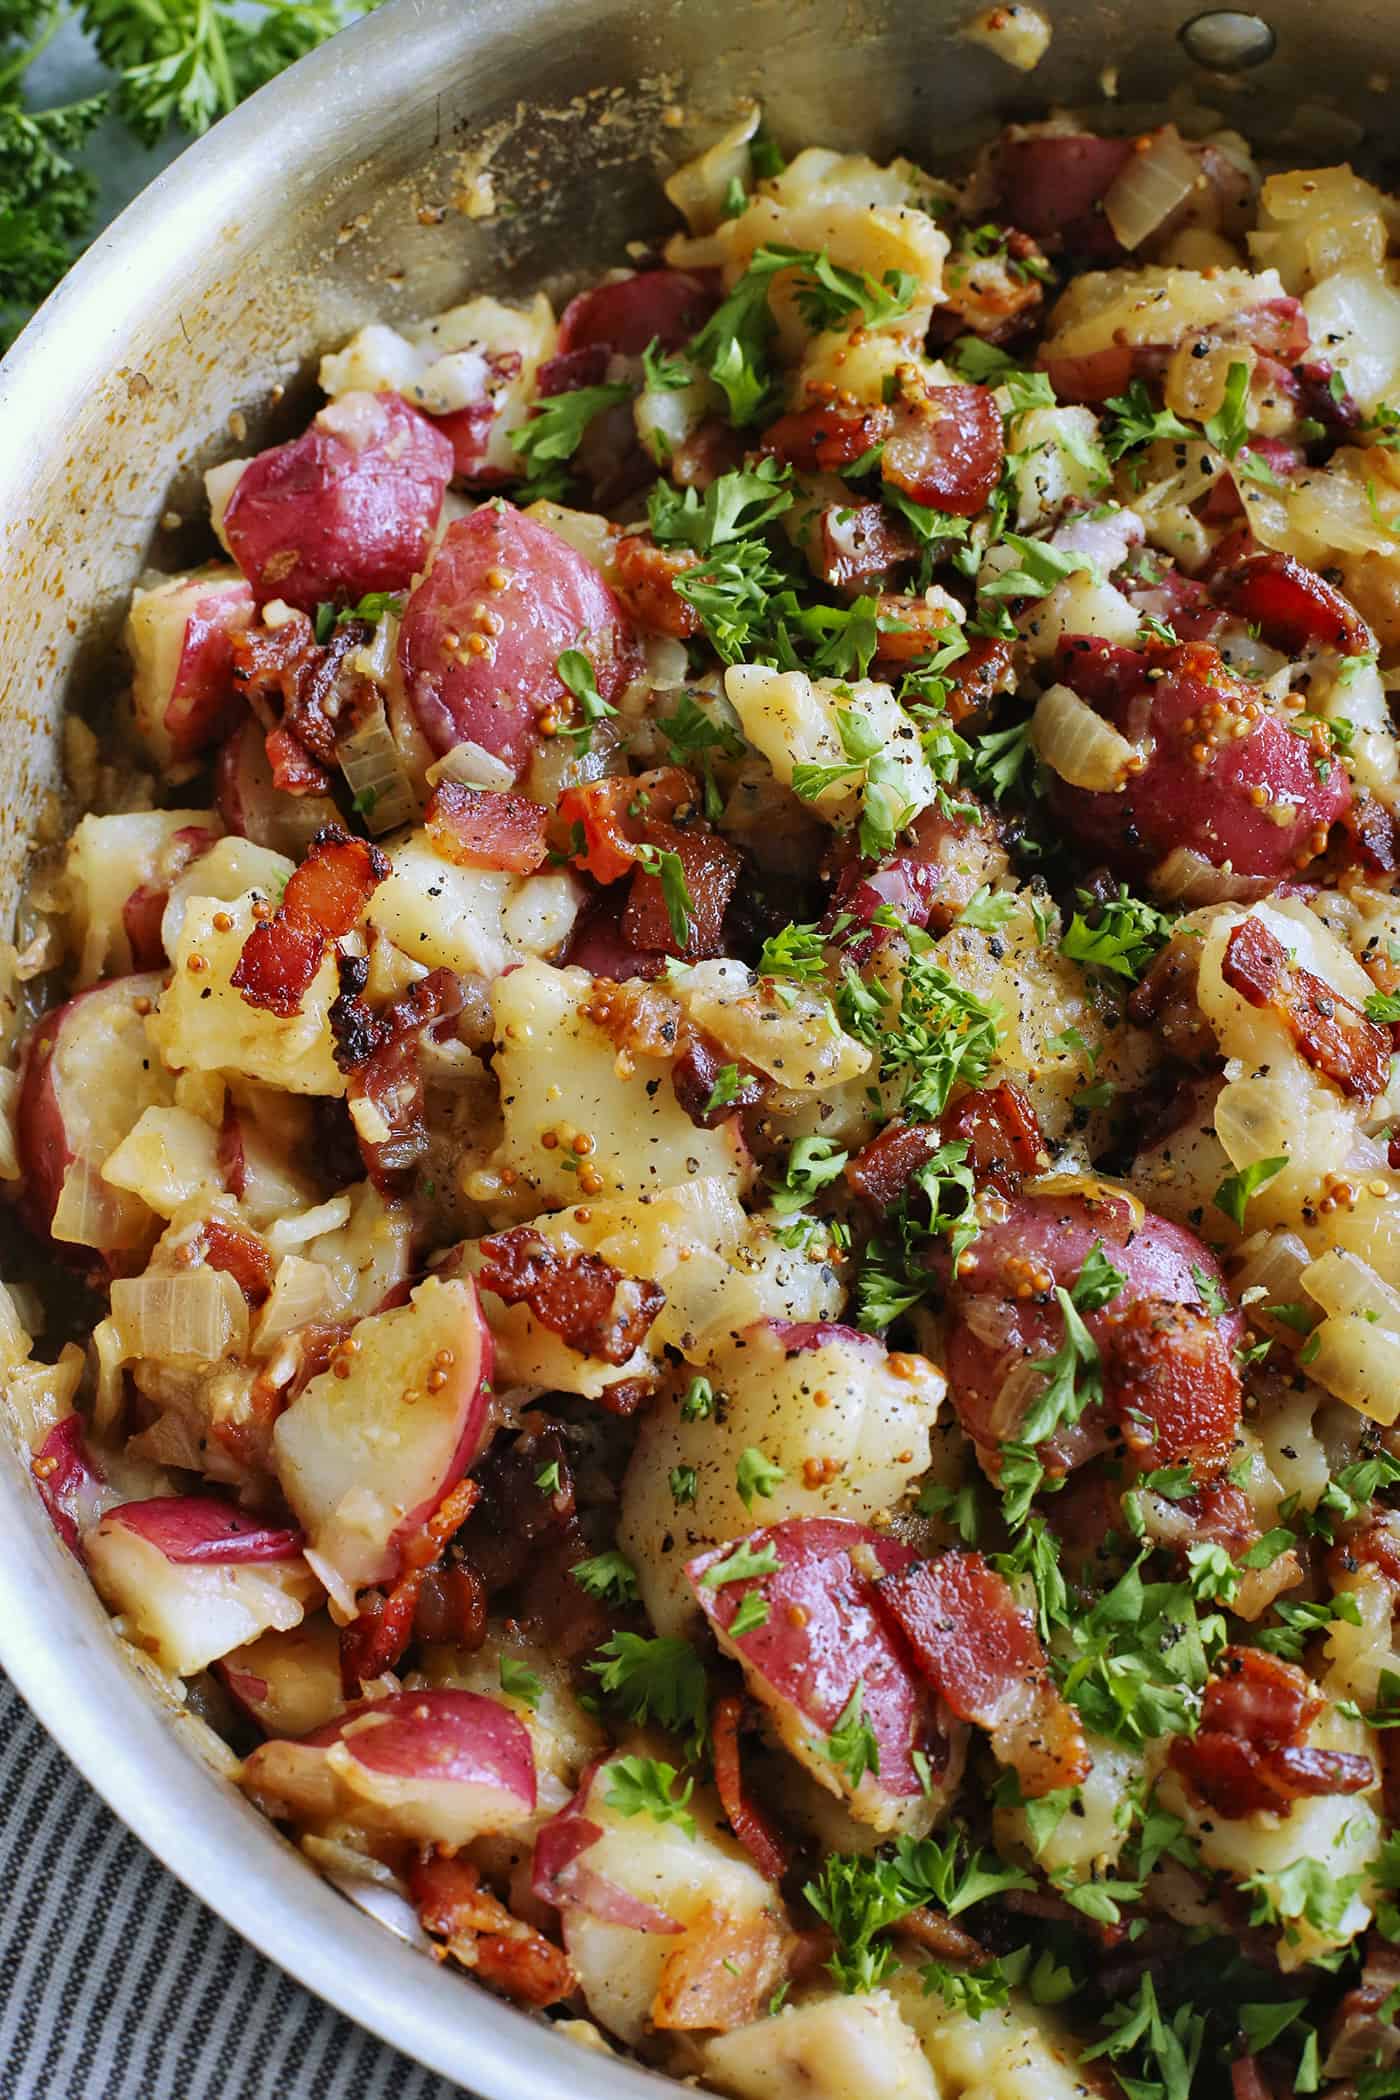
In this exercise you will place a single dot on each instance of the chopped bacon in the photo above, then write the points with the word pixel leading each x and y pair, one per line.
pixel 824 439
pixel 750 1825
pixel 939 1936
pixel 309 687
pixel 294 771
pixel 1002 1134
pixel 881 1171
pixel 613 816
pixel 981 1653
pixel 1364 2030
pixel 1293 607
pixel 379 1053
pixel 1248 1753
pixel 695 1075
pixel 646 585
pixel 372 1642
pixel 911 628
pixel 711 868
pixel 242 1254
pixel 583 1299
pixel 481 1934
pixel 323 901
pixel 451 1606
pixel 722 1973
pixel 1333 1034
pixel 1171 1381
pixel 1374 833
pixel 1247 2081
pixel 1166 1000
pixel 482 828
pixel 857 544
pixel 946 448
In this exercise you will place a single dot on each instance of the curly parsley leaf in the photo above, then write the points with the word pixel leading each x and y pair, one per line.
pixel 644 1786
pixel 661 1679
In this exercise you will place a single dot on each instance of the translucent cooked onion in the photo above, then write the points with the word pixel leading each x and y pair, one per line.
pixel 1078 744
pixel 1343 1283
pixel 301 1292
pixel 1360 1363
pixel 1270 1270
pixel 90 1213
pixel 699 188
pixel 1187 877
pixel 471 765
pixel 1150 187
pixel 376 774
pixel 198 1314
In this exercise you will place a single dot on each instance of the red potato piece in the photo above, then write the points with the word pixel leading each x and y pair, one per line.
pixel 1331 1033
pixel 194 1578
pixel 371 1446
pixel 430 1766
pixel 1256 802
pixel 289 1683
pixel 180 636
pixel 252 805
pixel 87 1072
pixel 946 449
pixel 322 902
pixel 980 1652
pixel 482 828
pixel 499 578
pixel 70 1483
pixel 1005 1318
pixel 346 508
pixel 1249 1753
pixel 665 306
pixel 1054 188
pixel 824 1636
pixel 145 907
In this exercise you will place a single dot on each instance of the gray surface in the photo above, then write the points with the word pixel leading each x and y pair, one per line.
pixel 117 1984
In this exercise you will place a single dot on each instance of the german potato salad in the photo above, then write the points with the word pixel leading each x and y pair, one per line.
pixel 710 1061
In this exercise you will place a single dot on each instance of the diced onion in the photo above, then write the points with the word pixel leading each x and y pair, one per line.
pixel 699 188
pixel 471 765
pixel 369 758
pixel 199 1314
pixel 1187 877
pixel 286 1234
pixel 90 1213
pixel 301 1292
pixel 1343 1283
pixel 1078 744
pixel 1270 1270
pixel 1360 1363
pixel 1149 187
pixel 1195 385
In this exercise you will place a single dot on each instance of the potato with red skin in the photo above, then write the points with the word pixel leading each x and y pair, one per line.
pixel 179 636
pixel 1005 1319
pixel 665 306
pixel 1254 802
pixel 87 1072
pixel 1053 185
pixel 946 448
pixel 365 1457
pixel 424 1766
pixel 348 507
pixel 824 1635
pixel 501 580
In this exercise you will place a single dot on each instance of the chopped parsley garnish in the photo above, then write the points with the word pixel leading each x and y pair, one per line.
pixel 519 1683
pixel 669 869
pixel 860 1898
pixel 1136 422
pixel 555 431
pixel 798 952
pixel 757 1475
pixel 851 1745
pixel 1125 935
pixel 660 1679
pixel 1234 1192
pixel 942 1036
pixel 576 672
pixel 811 1164
pixel 643 1786
pixel 744 1564
pixel 374 607
pixel 608 1576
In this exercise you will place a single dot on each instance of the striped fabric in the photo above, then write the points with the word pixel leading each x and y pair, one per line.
pixel 117 1984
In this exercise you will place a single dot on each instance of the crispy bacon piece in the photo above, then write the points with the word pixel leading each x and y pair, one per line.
pixel 452 1606
pixel 1170 1379
pixel 981 1654
pixel 1333 1035
pixel 1362 2033
pixel 1248 1753
pixel 711 867
pixel 309 687
pixel 1294 607
pixel 294 771
pixel 911 628
pixel 998 1126
pixel 646 585
pixel 231 1155
pixel 881 1171
pixel 946 448
pixel 583 1299
pixel 481 828
pixel 323 901
pixel 379 1054
pixel 722 1973
pixel 481 1934
pixel 939 1936
pixel 1374 833
pixel 856 545
pixel 695 1074
pixel 242 1254
pixel 824 439
pixel 373 1641
pixel 614 814
pixel 770 1854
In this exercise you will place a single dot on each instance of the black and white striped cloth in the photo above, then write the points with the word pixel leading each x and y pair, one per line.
pixel 117 1984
